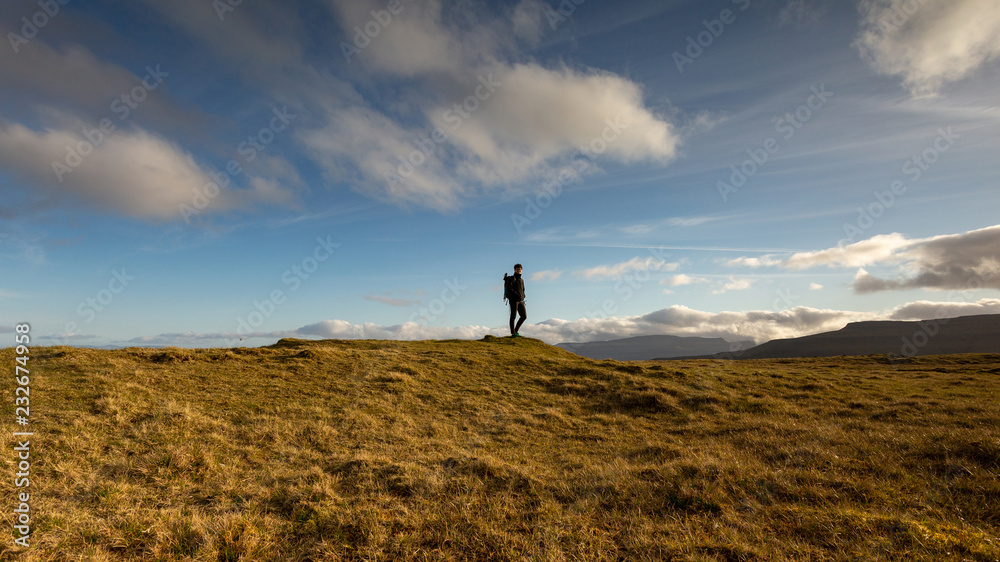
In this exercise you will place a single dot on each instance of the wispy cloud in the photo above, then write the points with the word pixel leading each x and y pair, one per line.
pixel 673 222
pixel 619 269
pixel 546 275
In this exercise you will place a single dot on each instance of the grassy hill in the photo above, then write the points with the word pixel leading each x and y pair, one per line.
pixel 503 449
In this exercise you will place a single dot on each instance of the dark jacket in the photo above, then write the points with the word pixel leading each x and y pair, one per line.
pixel 513 287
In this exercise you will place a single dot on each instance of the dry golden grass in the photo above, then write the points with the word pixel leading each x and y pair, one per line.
pixel 504 449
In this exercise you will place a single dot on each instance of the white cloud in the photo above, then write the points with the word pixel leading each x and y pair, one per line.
pixel 537 114
pixel 619 269
pixel 815 287
pixel 929 42
pixel 877 249
pixel 501 123
pixel 415 41
pixel 969 260
pixel 134 173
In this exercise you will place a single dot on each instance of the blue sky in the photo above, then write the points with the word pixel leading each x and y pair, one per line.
pixel 198 173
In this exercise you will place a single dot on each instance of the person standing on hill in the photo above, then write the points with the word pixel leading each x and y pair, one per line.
pixel 513 293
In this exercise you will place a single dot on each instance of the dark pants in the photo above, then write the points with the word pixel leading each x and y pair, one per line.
pixel 515 309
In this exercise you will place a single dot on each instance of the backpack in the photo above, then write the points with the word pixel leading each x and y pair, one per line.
pixel 508 287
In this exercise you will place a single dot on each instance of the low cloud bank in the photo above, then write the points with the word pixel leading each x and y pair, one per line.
pixel 756 325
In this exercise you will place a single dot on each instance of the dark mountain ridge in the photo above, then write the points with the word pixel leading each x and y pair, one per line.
pixel 963 334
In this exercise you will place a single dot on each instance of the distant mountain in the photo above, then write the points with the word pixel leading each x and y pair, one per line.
pixel 652 347
pixel 964 334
